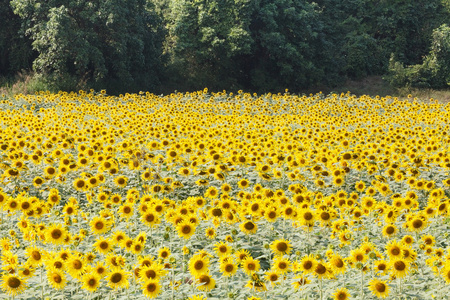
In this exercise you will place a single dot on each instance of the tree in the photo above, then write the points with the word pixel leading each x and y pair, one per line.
pixel 15 49
pixel 110 41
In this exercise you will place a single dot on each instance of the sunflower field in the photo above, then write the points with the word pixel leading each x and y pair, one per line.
pixel 223 196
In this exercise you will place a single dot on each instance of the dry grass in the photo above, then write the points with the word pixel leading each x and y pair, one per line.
pixel 375 85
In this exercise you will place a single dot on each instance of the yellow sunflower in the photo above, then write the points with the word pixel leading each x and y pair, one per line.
pixel 13 285
pixel 379 288
pixel 56 279
pixel 281 247
pixel 198 265
pixel 205 282
pixel 151 288
pixel 117 278
pixel 91 282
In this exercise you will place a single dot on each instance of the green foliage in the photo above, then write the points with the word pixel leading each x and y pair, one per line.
pixel 205 38
pixel 95 41
pixel 256 45
pixel 15 50
pixel 434 72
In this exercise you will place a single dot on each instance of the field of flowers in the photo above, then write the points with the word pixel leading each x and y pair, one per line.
pixel 223 196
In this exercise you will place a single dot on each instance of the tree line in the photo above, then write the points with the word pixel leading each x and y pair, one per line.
pixel 255 45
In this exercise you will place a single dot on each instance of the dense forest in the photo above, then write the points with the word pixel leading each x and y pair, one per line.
pixel 255 45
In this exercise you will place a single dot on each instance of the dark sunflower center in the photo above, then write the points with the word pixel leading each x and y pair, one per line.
pixel 151 287
pixel 307 265
pixel 417 223
pixel 325 216
pixel 282 247
pixel 229 268
pixel 116 277
pixel 339 263
pixel 56 234
pixel 390 230
pixel 186 229
pixel 36 255
pixel 14 282
pixel 308 216
pixel 380 287
pixel 320 269
pixel 205 279
pixel 57 278
pixel 399 266
pixel 249 226
pixel 92 282
pixel 150 274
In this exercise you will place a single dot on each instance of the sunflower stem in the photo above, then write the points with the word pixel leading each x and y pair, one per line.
pixel 42 285
pixel 321 288
pixel 362 284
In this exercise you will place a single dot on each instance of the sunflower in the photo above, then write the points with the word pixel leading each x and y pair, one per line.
pixel 151 219
pixel 248 227
pixel 26 271
pixel 241 255
pixel 99 225
pixel 300 281
pixel 211 193
pixel 151 288
pixel 256 283
pixel 103 245
pixel 341 294
pixel 75 266
pixel 394 249
pixel 13 285
pixel 399 267
pixel 80 185
pixel 228 268
pixel 120 181
pixel 100 269
pixel 126 211
pixel 164 253
pixel 117 278
pixel 55 234
pixel 50 172
pixel 56 279
pixel 381 266
pixel 389 230
pixel 250 265
pixel 445 272
pixel 417 224
pixel 38 181
pixel 210 233
pixel 322 270
pixel 281 247
pixel 91 282
pixel 379 288
pixel 152 271
pixel 337 264
pixel 185 229
pixel 35 256
pixel 137 247
pixel 205 282
pixel 222 249
pixel 360 186
pixel 308 264
pixel 243 184
pixel 198 265
pixel 273 277
pixel 281 265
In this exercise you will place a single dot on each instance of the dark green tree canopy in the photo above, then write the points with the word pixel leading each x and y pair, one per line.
pixel 93 40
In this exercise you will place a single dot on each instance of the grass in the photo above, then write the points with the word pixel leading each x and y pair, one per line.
pixel 375 85
pixel 28 83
